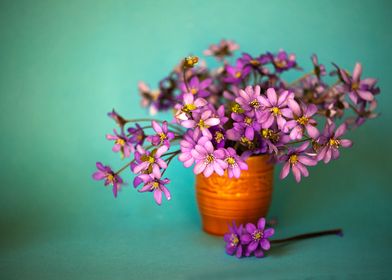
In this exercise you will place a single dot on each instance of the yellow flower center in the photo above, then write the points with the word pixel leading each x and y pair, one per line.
pixel 270 134
pixel 255 62
pixel 120 141
pixel 219 137
pixel 209 158
pixel 236 108
pixel 155 185
pixel 201 124
pixel 234 239
pixel 238 74
pixel 110 177
pixel 162 136
pixel 193 91
pixel 334 142
pixel 257 235
pixel 150 159
pixel 188 107
pixel 248 120
pixel 255 104
pixel 247 142
pixel 275 111
pixel 281 63
pixel 303 120
pixel 355 86
pixel 230 160
pixel 293 159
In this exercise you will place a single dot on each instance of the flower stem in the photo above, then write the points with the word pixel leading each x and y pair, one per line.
pixel 170 159
pixel 124 167
pixel 338 232
pixel 299 141
pixel 300 79
pixel 149 120
pixel 184 78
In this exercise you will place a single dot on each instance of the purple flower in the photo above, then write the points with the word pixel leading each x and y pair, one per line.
pixel 187 144
pixel 189 105
pixel 136 135
pixel 235 163
pixel 274 139
pixel 256 62
pixel 257 238
pixel 245 126
pixel 149 162
pixel 297 161
pixel 118 119
pixel 196 87
pixel 330 142
pixel 237 73
pixel 319 69
pixel 233 241
pixel 121 144
pixel 221 50
pixel 218 136
pixel 208 159
pixel 250 101
pixel 148 97
pixel 358 89
pixel 162 136
pixel 302 120
pixel 275 108
pixel 283 61
pixel 107 174
pixel 201 122
pixel 155 185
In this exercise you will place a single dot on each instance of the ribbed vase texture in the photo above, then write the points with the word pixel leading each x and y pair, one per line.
pixel 222 200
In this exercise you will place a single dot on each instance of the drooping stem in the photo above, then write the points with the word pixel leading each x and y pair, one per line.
pixel 299 141
pixel 171 153
pixel 170 159
pixel 123 168
pixel 184 78
pixel 338 232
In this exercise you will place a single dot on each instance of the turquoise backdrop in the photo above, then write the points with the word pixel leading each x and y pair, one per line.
pixel 65 64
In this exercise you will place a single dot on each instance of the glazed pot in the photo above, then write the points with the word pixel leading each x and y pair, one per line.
pixel 222 200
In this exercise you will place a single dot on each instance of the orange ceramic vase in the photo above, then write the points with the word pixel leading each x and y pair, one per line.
pixel 222 200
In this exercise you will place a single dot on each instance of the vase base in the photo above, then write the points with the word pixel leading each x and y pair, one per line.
pixel 218 226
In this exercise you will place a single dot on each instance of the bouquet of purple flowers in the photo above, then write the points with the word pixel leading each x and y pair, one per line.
pixel 226 114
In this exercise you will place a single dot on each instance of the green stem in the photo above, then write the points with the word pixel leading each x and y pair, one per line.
pixel 309 235
pixel 300 79
pixel 169 160
pixel 184 78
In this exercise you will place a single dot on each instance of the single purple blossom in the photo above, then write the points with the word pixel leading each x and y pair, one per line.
pixel 150 162
pixel 136 135
pixel 283 61
pixel 245 125
pixel 201 122
pixel 221 50
pixel 274 139
pixel 118 119
pixel 162 136
pixel 319 69
pixel 236 74
pixel 302 119
pixel 275 108
pixel 331 141
pixel 187 144
pixel 195 87
pixel 208 159
pixel 297 160
pixel 189 105
pixel 358 89
pixel 235 163
pixel 256 237
pixel 121 144
pixel 107 174
pixel 155 185
pixel 233 241
pixel 218 136
pixel 256 62
pixel 250 101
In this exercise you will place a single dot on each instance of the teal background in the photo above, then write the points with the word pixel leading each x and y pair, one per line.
pixel 65 64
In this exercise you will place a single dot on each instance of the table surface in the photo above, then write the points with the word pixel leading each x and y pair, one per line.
pixel 64 64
